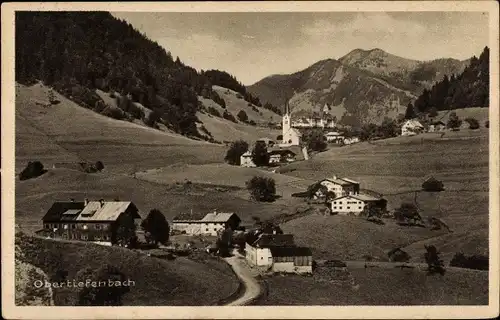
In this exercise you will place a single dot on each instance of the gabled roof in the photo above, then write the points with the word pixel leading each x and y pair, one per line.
pixel 274 240
pixel 341 181
pixel 107 211
pixel 58 208
pixel 290 251
pixel 93 211
pixel 281 152
pixel 437 123
pixel 218 217
pixel 413 123
pixel 333 133
pixel 361 197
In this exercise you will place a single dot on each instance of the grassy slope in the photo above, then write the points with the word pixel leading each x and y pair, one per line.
pixel 480 114
pixel 400 165
pixel 225 130
pixel 382 287
pixel 178 282
pixel 66 131
pixel 234 105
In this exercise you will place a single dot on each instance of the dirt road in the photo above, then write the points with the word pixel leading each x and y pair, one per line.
pixel 252 286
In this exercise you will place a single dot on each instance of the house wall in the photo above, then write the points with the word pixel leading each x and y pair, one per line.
pixel 258 256
pixel 347 205
pixel 339 190
pixel 197 228
pixel 247 162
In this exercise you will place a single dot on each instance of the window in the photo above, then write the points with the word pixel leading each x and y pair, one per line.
pixel 65 227
pixel 85 227
pixel 348 207
pixel 98 227
pixel 334 207
pixel 359 208
pixel 340 208
pixel 261 258
pixel 206 229
pixel 84 237
pixel 334 202
pixel 215 229
pixel 73 226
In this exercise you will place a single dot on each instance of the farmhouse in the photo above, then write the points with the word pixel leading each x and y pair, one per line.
pixel 279 253
pixel 281 155
pixel 211 224
pixel 338 186
pixel 334 137
pixel 246 160
pixel 411 127
pixel 437 126
pixel 355 203
pixel 95 221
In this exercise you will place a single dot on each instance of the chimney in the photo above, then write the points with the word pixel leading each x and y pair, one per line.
pixel 101 201
pixel 86 202
pixel 72 200
pixel 334 177
pixel 215 211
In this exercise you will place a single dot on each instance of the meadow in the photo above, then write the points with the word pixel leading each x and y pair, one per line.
pixel 167 282
pixel 378 286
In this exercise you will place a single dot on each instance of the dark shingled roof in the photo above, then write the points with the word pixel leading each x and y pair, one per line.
pixel 274 240
pixel 55 212
pixel 290 251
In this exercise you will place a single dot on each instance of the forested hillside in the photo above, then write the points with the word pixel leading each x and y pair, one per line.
pixel 467 90
pixel 78 52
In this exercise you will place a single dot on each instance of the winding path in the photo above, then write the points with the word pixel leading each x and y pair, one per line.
pixel 252 286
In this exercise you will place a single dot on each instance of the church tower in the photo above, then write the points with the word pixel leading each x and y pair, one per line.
pixel 287 121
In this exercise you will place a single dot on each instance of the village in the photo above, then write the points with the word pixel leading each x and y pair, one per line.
pixel 262 246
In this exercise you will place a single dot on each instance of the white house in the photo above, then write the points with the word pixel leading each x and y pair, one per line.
pixel 354 203
pixel 211 224
pixel 351 140
pixel 411 127
pixel 279 253
pixel 437 126
pixel 339 186
pixel 246 160
pixel 335 137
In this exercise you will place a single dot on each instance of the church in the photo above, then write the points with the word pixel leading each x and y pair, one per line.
pixel 291 136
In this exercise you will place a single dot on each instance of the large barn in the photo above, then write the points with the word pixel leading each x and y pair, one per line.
pixel 95 221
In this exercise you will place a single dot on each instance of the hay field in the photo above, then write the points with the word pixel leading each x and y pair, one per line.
pixel 166 283
pixel 377 286
pixel 397 170
pixel 66 132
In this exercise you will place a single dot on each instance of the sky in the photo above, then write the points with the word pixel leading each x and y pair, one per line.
pixel 254 45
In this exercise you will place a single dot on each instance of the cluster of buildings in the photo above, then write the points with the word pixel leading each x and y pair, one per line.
pixel 345 196
pixel 413 127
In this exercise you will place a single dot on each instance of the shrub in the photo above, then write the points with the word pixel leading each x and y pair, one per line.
pixel 398 255
pixel 454 122
pixel 433 185
pixel 262 188
pixel 228 116
pixel 260 156
pixel 478 262
pixel 156 227
pixel 434 263
pixel 33 169
pixel 408 214
pixel 239 96
pixel 213 111
pixel 153 118
pixel 235 151
pixel 315 140
pixel 242 116
pixel 251 122
pixel 279 137
pixel 135 111
pixel 473 123
pixel 99 165
pixel 114 113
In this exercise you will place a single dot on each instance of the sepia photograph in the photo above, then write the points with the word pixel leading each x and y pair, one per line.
pixel 260 155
